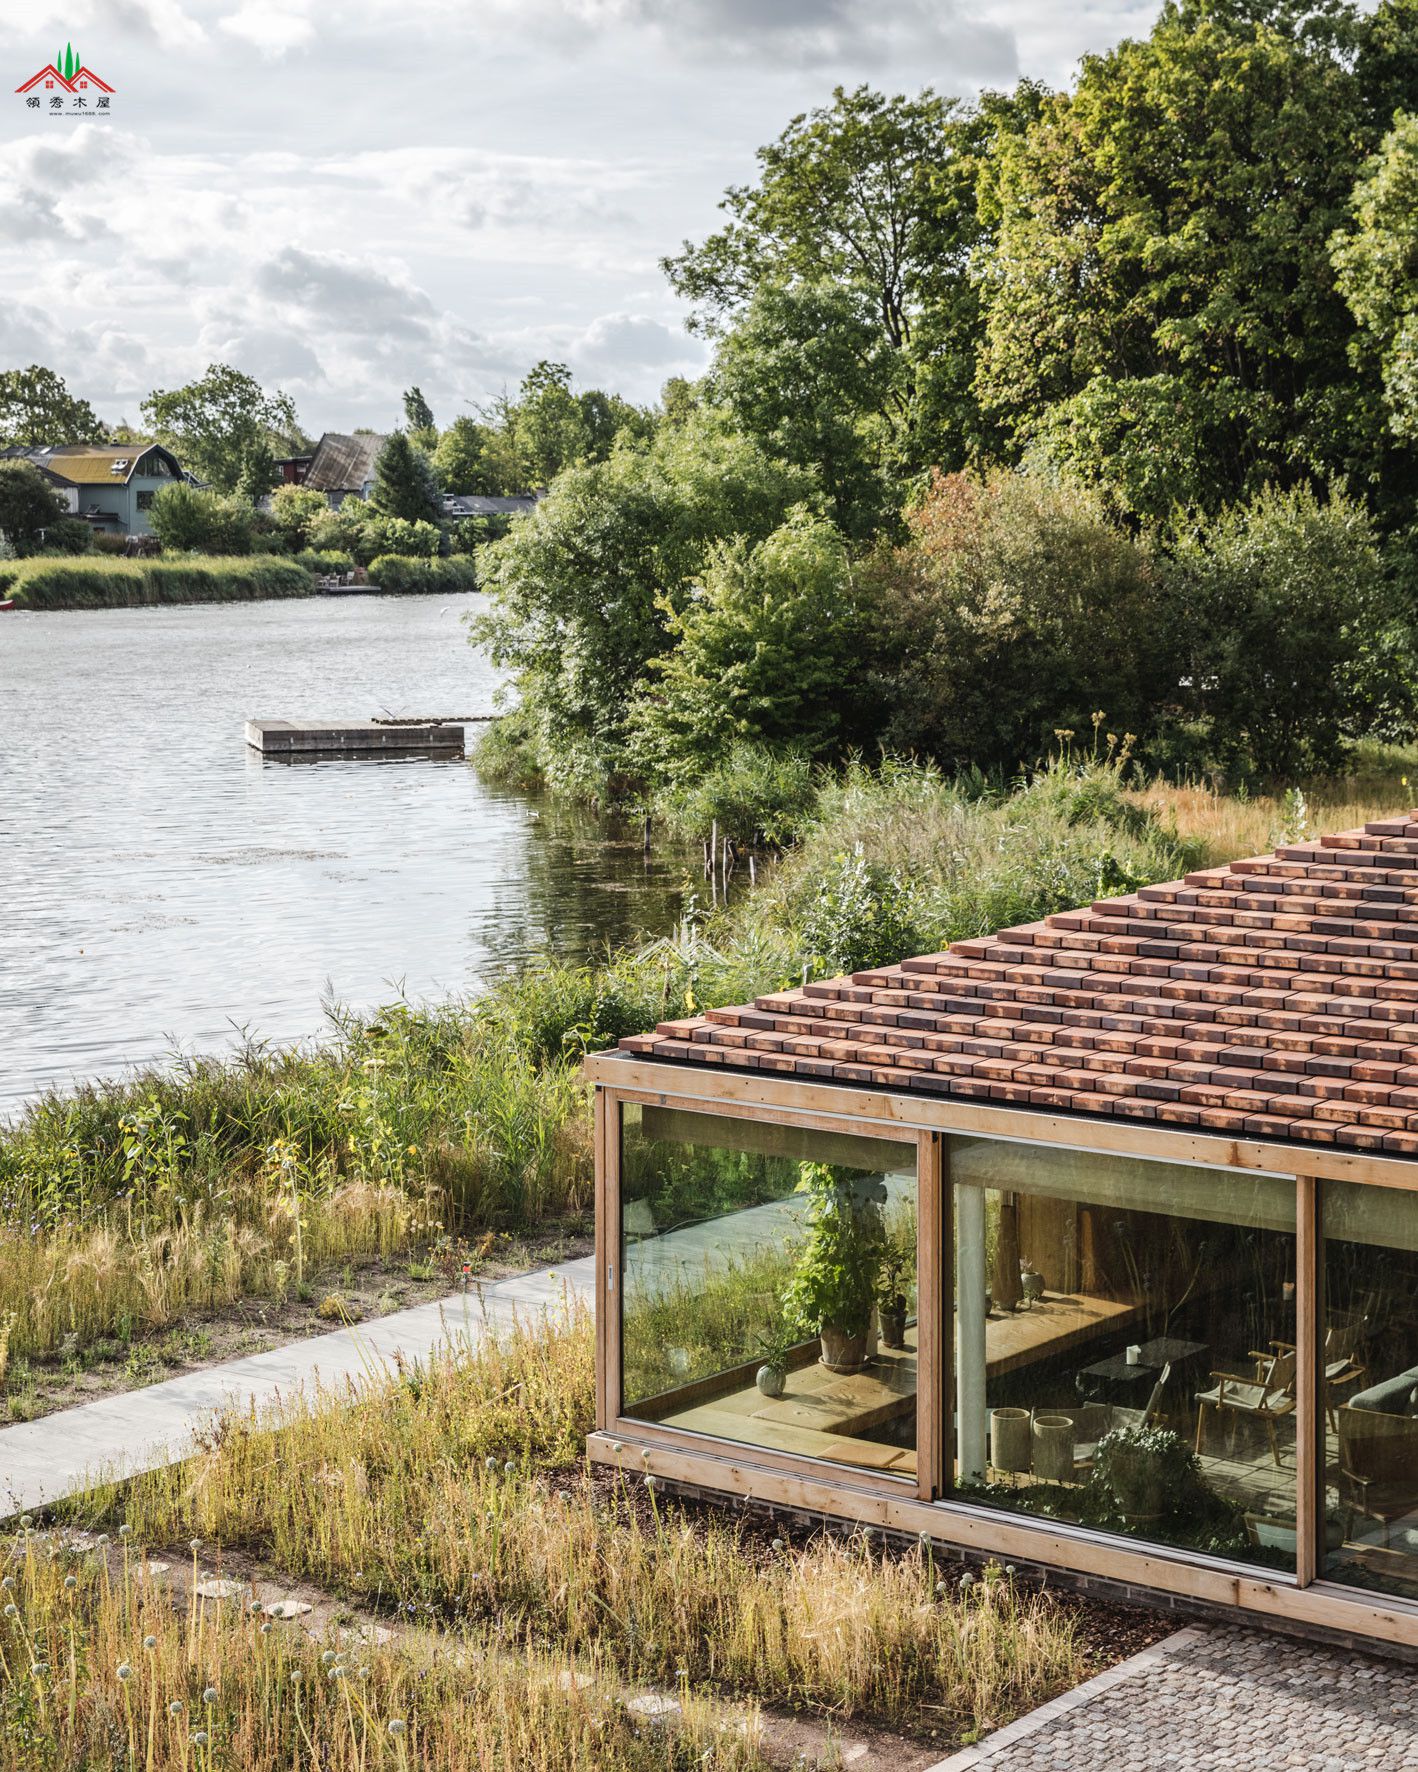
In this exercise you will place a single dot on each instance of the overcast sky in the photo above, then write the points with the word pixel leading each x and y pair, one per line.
pixel 345 200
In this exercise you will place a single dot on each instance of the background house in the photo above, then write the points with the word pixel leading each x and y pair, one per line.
pixel 343 465
pixel 111 487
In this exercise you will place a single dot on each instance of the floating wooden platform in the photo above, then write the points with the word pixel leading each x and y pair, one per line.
pixel 349 738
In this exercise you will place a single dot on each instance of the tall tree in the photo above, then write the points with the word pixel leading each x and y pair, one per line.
pixel 213 424
pixel 461 458
pixel 1161 309
pixel 418 414
pixel 28 506
pixel 37 408
pixel 1377 265
pixel 404 483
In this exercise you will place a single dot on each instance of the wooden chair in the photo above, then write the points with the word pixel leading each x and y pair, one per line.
pixel 1097 1419
pixel 1378 1467
pixel 1341 1364
pixel 1267 1395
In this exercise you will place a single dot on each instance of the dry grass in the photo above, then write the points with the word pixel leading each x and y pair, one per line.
pixel 90 1282
pixel 455 1496
pixel 1229 826
pixel 99 1668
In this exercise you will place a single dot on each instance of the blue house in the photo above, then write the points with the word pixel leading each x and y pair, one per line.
pixel 109 486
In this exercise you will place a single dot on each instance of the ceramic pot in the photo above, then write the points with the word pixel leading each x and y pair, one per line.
pixel 893 1327
pixel 771 1380
pixel 1031 1283
pixel 842 1352
pixel 1053 1448
pixel 1009 1439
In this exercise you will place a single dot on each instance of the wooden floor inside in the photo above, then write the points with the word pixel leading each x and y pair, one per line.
pixel 824 1414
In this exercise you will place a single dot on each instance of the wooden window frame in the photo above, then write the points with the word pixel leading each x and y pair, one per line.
pixel 736 1468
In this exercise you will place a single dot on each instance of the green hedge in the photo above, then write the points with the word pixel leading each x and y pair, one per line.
pixel 402 573
pixel 106 584
pixel 324 560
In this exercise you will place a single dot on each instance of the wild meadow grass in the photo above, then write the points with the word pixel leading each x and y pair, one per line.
pixel 99 1668
pixel 457 1496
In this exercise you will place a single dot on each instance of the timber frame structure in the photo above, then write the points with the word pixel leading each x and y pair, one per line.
pixel 1258 1022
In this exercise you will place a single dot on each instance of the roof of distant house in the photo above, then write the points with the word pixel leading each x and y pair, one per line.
pixel 1272 998
pixel 90 464
pixel 476 505
pixel 344 463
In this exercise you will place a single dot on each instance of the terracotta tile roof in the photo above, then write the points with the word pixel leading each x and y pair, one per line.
pixel 1273 998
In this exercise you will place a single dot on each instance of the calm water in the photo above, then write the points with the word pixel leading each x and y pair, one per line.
pixel 162 887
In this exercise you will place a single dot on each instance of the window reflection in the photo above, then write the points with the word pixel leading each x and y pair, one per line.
pixel 1125 1346
pixel 769 1285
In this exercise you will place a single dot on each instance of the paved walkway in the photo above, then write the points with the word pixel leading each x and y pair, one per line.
pixel 43 1461
pixel 1219 1699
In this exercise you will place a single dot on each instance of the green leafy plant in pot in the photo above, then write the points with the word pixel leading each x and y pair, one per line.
pixel 834 1284
pixel 1146 1473
pixel 776 1345
pixel 898 1267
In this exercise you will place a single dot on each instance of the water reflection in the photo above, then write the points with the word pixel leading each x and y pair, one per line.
pixel 165 886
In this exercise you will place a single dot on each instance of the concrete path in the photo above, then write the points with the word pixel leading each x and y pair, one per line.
pixel 1219 1699
pixel 43 1461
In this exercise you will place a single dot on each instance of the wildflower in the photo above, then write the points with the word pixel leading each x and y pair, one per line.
pixel 194 1545
pixel 12 1610
pixel 266 1629
pixel 397 1726
pixel 7 1582
pixel 150 1642
pixel 967 1581
pixel 26 1522
pixel 295 1676
pixel 255 1607
pixel 509 1467
pixel 175 1708
pixel 209 1695
pixel 199 1739
pixel 125 1530
pixel 490 1463
pixel 649 1482
pixel 71 1582
pixel 125 1672
pixel 326 1657
pixel 778 1544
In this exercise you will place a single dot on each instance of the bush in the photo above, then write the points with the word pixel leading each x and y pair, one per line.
pixel 323 560
pixel 104 583
pixel 401 575
pixel 756 795
pixel 110 544
pixel 1018 609
pixel 295 510
pixel 187 519
pixel 70 535
pixel 1282 600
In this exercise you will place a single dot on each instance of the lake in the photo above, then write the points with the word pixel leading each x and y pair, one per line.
pixel 163 889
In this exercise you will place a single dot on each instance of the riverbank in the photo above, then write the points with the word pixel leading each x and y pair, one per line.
pixel 101 582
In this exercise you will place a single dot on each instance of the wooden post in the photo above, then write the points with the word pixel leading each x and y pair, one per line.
pixel 968 1204
pixel 1004 1271
pixel 932 1318
pixel 1309 1381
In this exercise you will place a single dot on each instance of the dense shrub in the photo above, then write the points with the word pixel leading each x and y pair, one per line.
pixel 400 574
pixel 70 535
pixel 188 519
pixel 110 544
pixel 29 506
pixel 323 560
pixel 103 583
pixel 295 510
pixel 1016 610
pixel 1283 602
pixel 756 794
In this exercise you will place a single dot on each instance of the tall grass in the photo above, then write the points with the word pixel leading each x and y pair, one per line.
pixel 453 1496
pixel 104 583
pixel 98 1668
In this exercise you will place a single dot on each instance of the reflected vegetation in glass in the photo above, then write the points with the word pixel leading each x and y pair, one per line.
pixel 1125 1355
pixel 768 1278
pixel 1369 1351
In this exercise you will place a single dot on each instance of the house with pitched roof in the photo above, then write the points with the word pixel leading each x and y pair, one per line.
pixel 1089 1246
pixel 109 486
pixel 343 465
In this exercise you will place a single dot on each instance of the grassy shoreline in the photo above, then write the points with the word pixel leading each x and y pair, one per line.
pixel 102 582
pixel 128 1204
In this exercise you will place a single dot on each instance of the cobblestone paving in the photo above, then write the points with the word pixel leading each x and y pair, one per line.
pixel 1222 1700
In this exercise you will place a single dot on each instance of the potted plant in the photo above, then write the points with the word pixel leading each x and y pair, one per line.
pixel 833 1288
pixel 776 1346
pixel 893 1280
pixel 1146 1473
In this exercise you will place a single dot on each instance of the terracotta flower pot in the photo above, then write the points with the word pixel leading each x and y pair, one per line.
pixel 842 1352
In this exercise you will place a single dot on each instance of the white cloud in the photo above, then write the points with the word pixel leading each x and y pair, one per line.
pixel 272 28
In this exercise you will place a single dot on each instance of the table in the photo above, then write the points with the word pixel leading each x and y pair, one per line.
pixel 1116 1380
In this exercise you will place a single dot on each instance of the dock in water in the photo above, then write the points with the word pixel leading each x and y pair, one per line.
pixel 349 738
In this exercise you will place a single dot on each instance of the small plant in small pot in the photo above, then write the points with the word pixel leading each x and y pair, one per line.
pixel 1145 1473
pixel 776 1346
pixel 892 1290
pixel 834 1285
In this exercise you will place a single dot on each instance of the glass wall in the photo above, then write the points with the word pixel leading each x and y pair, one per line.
pixel 1124 1335
pixel 768 1285
pixel 1370 1375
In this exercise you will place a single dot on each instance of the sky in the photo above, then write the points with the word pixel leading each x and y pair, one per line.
pixel 344 201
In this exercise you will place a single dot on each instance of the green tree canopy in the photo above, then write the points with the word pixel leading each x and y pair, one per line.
pixel 37 408
pixel 462 458
pixel 1377 265
pixel 763 649
pixel 582 588
pixel 28 506
pixel 1159 278
pixel 218 424
pixel 404 483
